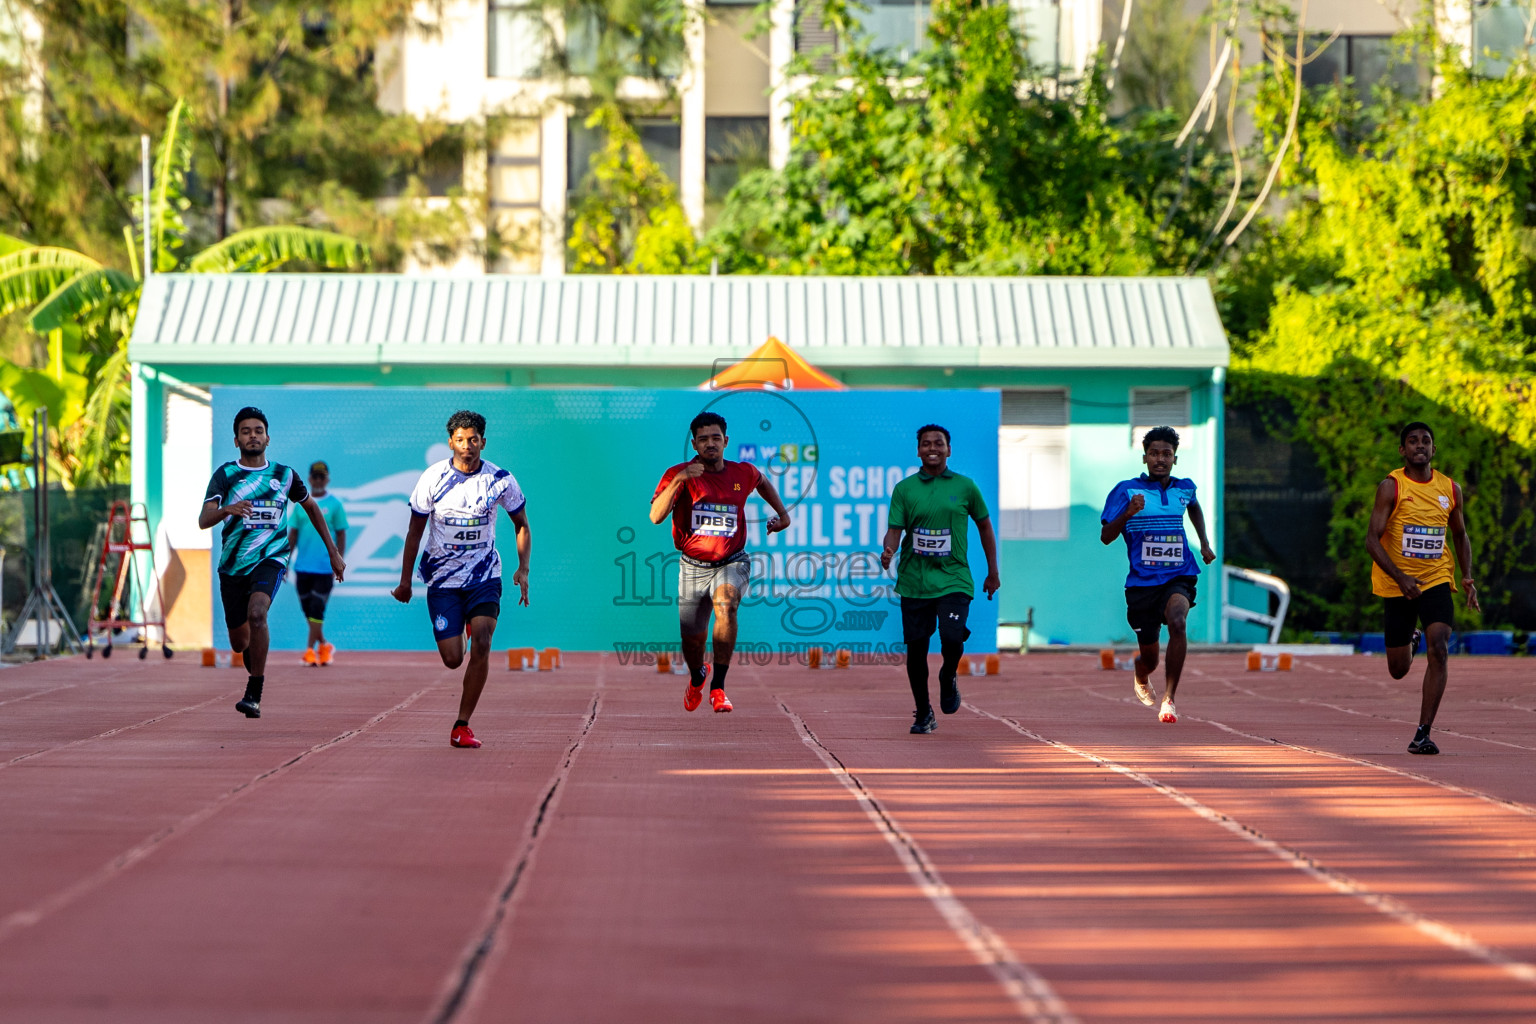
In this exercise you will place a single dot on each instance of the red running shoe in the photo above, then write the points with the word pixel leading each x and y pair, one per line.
pixel 462 737
pixel 693 697
pixel 719 701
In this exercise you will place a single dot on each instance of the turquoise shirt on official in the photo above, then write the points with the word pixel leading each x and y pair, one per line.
pixel 310 554
pixel 935 512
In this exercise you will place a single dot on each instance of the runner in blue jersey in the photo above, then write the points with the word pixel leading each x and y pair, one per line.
pixel 1148 512
pixel 311 572
pixel 250 496
pixel 458 497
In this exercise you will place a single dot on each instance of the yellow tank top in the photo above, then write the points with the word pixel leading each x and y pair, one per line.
pixel 1418 537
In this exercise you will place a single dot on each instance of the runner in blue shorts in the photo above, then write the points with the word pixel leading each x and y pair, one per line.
pixel 459 497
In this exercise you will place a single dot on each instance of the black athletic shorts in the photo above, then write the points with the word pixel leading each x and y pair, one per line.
pixel 235 591
pixel 314 590
pixel 1403 615
pixel 1144 606
pixel 947 612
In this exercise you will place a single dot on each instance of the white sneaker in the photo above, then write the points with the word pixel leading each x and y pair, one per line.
pixel 1169 714
pixel 1144 692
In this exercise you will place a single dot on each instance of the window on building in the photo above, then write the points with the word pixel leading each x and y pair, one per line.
pixel 1040 22
pixel 1157 407
pixel 1502 32
pixel 660 137
pixel 1034 468
pixel 516 39
pixel 644 51
pixel 1369 61
pixel 733 146
pixel 900 26
pixel 515 185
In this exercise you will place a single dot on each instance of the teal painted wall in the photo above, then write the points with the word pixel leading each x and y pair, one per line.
pixel 1074 586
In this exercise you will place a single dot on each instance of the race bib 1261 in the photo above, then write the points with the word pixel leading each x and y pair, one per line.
pixel 1162 549
pixel 713 519
pixel 1426 542
pixel 932 543
pixel 266 514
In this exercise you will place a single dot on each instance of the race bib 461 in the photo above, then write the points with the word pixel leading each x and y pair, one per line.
pixel 466 533
pixel 713 519
pixel 1426 542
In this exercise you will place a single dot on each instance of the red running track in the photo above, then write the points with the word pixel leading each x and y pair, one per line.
pixel 1051 853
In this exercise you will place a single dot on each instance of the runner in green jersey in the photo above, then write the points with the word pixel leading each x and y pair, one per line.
pixel 935 506
pixel 250 497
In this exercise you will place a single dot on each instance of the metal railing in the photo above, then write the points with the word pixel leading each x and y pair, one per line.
pixel 1274 584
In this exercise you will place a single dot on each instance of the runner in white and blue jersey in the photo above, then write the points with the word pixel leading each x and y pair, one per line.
pixel 1148 512
pixel 455 504
pixel 250 496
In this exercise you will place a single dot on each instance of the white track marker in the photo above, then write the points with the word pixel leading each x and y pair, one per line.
pixel 1335 880
pixel 1035 999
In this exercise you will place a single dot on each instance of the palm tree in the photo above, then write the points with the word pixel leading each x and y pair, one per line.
pixel 86 310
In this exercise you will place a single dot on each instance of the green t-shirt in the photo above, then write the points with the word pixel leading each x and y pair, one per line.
pixel 933 512
pixel 262 534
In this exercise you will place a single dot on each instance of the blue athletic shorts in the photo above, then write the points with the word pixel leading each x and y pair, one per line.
pixel 451 607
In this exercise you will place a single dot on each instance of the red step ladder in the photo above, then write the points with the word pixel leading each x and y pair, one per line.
pixel 121 544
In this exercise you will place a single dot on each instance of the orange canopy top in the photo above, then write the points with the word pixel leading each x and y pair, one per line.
pixel 772 364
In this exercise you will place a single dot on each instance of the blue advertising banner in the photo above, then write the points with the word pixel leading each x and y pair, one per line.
pixel 603 577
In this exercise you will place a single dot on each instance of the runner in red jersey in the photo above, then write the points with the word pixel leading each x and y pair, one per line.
pixel 707 498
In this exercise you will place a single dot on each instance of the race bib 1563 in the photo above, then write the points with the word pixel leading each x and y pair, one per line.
pixel 266 514
pixel 1423 541
pixel 713 519
pixel 932 543
pixel 1162 549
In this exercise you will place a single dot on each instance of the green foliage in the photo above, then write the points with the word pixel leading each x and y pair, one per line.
pixel 86 311
pixel 285 95
pixel 963 161
pixel 1401 285
pixel 627 218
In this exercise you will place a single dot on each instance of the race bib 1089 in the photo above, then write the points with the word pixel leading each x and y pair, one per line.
pixel 932 543
pixel 1427 542
pixel 713 519
pixel 1162 549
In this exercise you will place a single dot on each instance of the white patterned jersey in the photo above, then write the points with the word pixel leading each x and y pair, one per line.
pixel 461 535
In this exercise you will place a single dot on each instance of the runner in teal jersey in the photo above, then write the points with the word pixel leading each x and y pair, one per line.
pixel 250 497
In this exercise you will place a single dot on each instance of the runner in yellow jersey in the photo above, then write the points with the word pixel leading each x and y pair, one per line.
pixel 1418 509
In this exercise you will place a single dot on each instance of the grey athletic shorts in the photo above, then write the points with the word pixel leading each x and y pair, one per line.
pixel 697 582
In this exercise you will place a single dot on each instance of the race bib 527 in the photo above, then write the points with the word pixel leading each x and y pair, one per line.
pixel 1162 549
pixel 1426 542
pixel 714 519
pixel 932 543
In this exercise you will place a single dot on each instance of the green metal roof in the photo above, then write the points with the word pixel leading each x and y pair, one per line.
pixel 318 319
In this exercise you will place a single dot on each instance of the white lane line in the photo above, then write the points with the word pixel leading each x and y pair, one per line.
pixel 20 920
pixel 119 730
pixel 464 990
pixel 1031 994
pixel 1368 714
pixel 1497 801
pixel 1335 880
pixel 37 693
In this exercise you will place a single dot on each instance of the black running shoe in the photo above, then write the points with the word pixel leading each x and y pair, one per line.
pixel 949 697
pixel 922 721
pixel 249 708
pixel 1423 746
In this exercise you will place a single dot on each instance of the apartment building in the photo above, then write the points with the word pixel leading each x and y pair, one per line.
pixel 727 108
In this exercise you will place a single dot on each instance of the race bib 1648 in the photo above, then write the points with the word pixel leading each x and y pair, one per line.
pixel 1162 549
